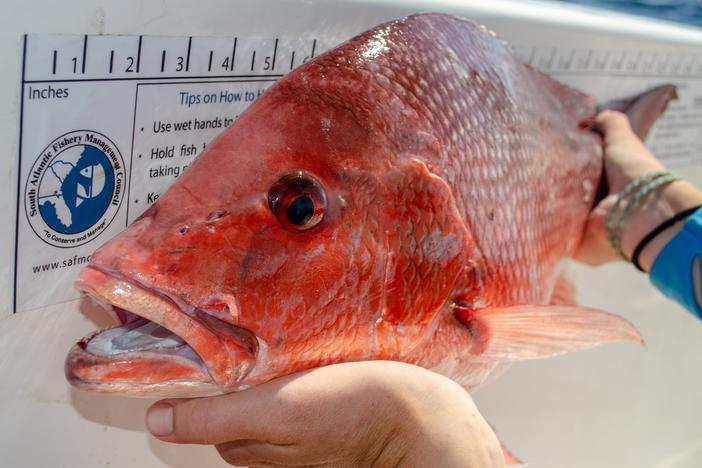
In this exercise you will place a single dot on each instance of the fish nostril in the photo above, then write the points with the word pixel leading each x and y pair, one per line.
pixel 215 215
pixel 183 230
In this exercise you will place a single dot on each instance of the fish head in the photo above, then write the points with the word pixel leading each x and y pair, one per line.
pixel 306 234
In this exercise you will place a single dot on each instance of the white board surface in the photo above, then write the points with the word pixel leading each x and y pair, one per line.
pixel 617 406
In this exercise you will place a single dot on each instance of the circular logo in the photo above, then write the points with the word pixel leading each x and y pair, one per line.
pixel 74 188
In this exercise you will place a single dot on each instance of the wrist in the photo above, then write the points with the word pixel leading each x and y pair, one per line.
pixel 443 427
pixel 397 390
pixel 657 208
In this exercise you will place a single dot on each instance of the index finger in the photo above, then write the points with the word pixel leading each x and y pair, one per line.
pixel 614 125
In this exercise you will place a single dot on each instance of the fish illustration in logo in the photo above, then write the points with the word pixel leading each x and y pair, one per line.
pixel 90 183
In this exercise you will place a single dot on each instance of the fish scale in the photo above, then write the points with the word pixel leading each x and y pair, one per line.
pixel 446 182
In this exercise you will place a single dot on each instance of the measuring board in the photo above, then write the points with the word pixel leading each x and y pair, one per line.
pixel 108 122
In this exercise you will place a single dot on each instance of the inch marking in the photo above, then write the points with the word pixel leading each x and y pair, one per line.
pixel 532 56
pixel 187 57
pixel 139 54
pixel 53 68
pixel 549 62
pixel 586 63
pixel 601 64
pixel 565 63
pixel 112 59
pixel 292 60
pixel 163 60
pixel 253 59
pixel 85 50
pixel 632 65
pixel 231 65
pixel 618 64
pixel 209 63
pixel 275 52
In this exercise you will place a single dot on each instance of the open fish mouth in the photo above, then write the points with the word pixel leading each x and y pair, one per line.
pixel 161 347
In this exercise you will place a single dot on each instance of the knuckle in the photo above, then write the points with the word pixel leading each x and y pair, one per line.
pixel 191 421
pixel 616 119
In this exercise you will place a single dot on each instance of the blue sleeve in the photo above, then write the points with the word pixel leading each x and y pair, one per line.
pixel 677 272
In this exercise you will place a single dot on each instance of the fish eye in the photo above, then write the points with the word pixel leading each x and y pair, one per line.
pixel 298 201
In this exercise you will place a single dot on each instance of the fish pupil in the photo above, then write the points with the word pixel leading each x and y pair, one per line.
pixel 300 210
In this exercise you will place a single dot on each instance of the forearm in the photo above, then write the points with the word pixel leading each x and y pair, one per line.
pixel 659 207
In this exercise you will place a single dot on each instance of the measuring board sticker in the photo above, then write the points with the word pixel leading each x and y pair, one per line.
pixel 107 123
pixel 614 74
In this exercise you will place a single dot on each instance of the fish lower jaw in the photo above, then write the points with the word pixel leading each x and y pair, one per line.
pixel 157 349
pixel 138 358
pixel 139 373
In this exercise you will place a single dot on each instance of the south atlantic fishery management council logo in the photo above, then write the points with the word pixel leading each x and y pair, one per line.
pixel 74 188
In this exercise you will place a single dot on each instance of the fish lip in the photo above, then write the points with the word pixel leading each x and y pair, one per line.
pixel 222 366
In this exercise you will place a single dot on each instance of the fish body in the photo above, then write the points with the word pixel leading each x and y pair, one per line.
pixel 410 195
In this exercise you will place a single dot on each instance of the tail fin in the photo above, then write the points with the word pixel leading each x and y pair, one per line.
pixel 644 109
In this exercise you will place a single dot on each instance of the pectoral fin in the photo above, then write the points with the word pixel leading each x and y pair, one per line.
pixel 525 332
pixel 564 292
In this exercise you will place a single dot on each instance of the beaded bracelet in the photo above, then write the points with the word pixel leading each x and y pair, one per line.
pixel 651 182
pixel 610 225
pixel 643 191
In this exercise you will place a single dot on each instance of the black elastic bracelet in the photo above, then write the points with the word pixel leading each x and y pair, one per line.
pixel 660 228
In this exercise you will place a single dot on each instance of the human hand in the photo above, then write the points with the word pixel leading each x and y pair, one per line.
pixel 625 159
pixel 377 413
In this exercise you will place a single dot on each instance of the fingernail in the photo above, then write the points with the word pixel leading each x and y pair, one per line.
pixel 159 419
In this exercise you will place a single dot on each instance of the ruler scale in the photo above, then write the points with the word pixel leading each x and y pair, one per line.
pixel 61 58
pixel 610 62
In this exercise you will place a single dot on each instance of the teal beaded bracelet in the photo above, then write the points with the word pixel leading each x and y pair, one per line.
pixel 610 225
pixel 651 182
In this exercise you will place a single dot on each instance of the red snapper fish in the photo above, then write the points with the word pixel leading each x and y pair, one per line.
pixel 410 195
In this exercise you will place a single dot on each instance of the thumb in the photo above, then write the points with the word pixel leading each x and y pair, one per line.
pixel 614 125
pixel 594 248
pixel 211 420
